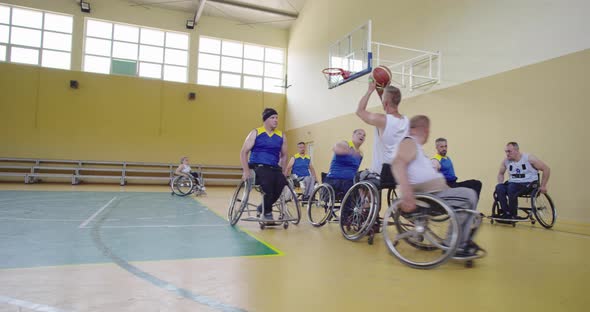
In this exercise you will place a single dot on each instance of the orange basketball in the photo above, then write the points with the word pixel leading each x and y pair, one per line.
pixel 382 76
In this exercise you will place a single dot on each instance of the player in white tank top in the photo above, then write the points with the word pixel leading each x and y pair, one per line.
pixel 387 140
pixel 185 169
pixel 414 172
pixel 420 170
pixel 522 170
pixel 390 128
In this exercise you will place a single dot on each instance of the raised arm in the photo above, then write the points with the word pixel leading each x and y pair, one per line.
pixel 375 119
pixel 540 165
pixel 405 155
pixel 501 172
pixel 341 148
pixel 283 160
pixel 246 148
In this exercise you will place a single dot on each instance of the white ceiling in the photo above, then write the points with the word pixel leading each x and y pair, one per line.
pixel 240 15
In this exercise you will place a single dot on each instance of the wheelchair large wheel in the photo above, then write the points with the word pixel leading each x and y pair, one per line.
pixel 320 204
pixel 425 238
pixel 237 204
pixel 182 185
pixel 358 211
pixel 290 205
pixel 391 196
pixel 543 209
pixel 495 210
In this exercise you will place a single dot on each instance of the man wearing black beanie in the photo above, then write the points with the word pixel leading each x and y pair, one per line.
pixel 267 147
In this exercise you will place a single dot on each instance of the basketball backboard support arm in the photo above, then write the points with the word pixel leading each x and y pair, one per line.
pixel 428 63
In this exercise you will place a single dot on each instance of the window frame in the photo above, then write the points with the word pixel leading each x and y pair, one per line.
pixel 137 59
pixel 9 45
pixel 243 58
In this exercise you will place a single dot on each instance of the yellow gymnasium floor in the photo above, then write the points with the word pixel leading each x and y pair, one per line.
pixel 152 254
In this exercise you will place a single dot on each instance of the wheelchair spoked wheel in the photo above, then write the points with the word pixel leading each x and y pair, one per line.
pixel 358 211
pixel 391 196
pixel 543 209
pixel 320 204
pixel 425 238
pixel 495 211
pixel 182 186
pixel 290 206
pixel 237 203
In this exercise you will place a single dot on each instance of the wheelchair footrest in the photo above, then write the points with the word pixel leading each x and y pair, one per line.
pixel 508 221
pixel 479 254
pixel 267 221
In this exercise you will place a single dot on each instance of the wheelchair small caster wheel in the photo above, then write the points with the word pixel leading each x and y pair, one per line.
pixel 513 224
pixel 533 222
pixel 172 193
pixel 492 221
pixel 262 226
pixel 469 263
pixel 286 225
pixel 371 238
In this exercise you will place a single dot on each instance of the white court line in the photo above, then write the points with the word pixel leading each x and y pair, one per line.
pixel 163 225
pixel 85 223
pixel 29 305
pixel 33 219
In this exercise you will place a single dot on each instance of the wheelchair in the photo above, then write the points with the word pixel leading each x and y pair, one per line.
pixel 359 211
pixel 296 183
pixel 182 186
pixel 541 207
pixel 429 236
pixel 323 204
pixel 244 201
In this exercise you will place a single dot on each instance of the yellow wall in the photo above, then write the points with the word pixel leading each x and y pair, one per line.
pixel 544 107
pixel 123 118
pixel 477 38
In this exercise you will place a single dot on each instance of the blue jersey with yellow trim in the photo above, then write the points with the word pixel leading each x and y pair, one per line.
pixel 446 168
pixel 267 148
pixel 301 165
pixel 345 166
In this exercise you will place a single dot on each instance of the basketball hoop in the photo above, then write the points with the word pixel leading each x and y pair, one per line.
pixel 335 75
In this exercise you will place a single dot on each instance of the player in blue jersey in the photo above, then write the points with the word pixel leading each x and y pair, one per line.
pixel 300 165
pixel 267 148
pixel 443 163
pixel 345 163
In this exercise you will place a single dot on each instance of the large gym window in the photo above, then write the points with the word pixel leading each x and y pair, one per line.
pixel 34 37
pixel 236 64
pixel 113 48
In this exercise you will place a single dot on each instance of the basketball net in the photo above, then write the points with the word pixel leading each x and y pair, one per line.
pixel 335 75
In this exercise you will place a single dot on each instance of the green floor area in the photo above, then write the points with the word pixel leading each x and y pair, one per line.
pixel 64 228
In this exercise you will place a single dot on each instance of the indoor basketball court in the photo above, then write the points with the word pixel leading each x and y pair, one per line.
pixel 193 155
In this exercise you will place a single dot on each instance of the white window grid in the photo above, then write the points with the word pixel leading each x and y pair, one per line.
pixel 40 49
pixel 139 44
pixel 241 73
